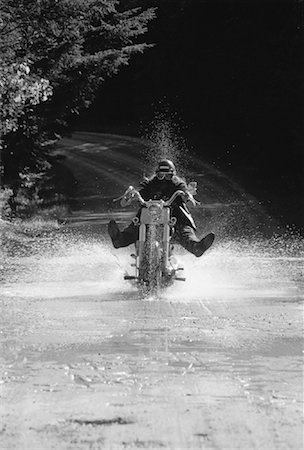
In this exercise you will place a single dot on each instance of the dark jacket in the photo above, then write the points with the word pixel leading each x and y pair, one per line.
pixel 155 189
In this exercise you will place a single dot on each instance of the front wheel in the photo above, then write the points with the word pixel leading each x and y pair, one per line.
pixel 151 270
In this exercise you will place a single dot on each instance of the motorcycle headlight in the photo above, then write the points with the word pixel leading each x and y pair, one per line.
pixel 155 212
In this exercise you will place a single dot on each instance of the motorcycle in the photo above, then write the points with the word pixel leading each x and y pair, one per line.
pixel 154 265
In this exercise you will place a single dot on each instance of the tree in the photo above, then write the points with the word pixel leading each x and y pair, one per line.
pixel 19 90
pixel 63 50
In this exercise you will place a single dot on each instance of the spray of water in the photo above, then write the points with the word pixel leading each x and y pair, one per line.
pixel 164 136
pixel 66 265
pixel 77 266
pixel 245 269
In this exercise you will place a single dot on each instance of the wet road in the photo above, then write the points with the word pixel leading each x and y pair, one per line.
pixel 215 362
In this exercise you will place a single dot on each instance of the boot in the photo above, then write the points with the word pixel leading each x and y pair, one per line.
pixel 114 233
pixel 200 247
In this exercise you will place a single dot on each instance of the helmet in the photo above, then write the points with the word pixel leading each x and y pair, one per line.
pixel 165 168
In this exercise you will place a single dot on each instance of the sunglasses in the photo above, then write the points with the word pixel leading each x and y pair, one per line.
pixel 164 175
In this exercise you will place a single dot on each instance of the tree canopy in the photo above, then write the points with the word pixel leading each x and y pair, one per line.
pixel 74 44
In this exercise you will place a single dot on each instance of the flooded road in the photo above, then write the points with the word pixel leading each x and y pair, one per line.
pixel 215 362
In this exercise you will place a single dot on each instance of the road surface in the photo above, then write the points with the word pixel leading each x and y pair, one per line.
pixel 212 363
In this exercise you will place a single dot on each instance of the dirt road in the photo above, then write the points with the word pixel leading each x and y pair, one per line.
pixel 213 363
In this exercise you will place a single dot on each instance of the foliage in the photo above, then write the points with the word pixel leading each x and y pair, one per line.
pixel 25 237
pixel 55 54
pixel 18 90
pixel 5 209
pixel 28 199
pixel 73 44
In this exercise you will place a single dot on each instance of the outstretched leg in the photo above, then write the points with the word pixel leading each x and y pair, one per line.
pixel 122 238
pixel 188 239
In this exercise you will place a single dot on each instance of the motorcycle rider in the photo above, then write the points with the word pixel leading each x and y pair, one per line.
pixel 161 186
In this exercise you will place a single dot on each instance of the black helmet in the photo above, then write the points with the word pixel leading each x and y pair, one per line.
pixel 166 166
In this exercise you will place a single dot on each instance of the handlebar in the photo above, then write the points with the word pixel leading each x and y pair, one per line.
pixel 167 203
pixel 174 197
pixel 186 196
pixel 132 194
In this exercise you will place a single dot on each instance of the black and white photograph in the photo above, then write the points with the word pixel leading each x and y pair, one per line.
pixel 151 224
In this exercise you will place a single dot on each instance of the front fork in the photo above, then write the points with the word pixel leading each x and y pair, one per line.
pixel 140 244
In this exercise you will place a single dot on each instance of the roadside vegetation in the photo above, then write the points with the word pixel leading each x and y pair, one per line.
pixel 55 56
pixel 18 233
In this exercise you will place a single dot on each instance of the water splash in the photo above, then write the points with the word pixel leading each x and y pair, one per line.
pixel 165 139
pixel 242 269
pixel 80 266
pixel 67 265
